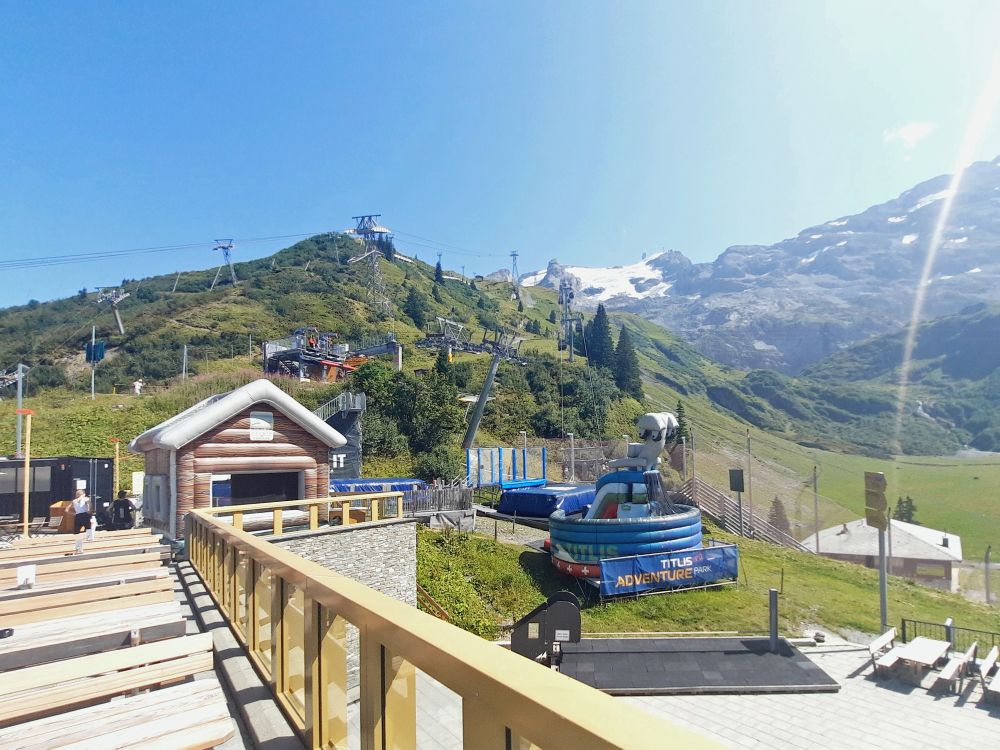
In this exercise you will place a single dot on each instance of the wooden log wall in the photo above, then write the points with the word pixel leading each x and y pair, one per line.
pixel 228 449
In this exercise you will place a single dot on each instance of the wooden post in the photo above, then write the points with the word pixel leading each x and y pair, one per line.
pixel 238 520
pixel 373 515
pixel 27 464
pixel 399 506
pixel 345 512
pixel 276 521
pixel 313 517
pixel 117 474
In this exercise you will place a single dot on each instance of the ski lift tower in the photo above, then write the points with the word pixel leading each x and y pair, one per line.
pixel 226 246
pixel 113 295
pixel 569 319
pixel 376 238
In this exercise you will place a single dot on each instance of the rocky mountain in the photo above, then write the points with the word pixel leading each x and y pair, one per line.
pixel 787 305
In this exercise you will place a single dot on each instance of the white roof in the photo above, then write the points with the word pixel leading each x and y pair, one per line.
pixel 908 541
pixel 182 428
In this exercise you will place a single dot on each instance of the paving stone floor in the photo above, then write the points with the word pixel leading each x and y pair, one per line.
pixel 865 714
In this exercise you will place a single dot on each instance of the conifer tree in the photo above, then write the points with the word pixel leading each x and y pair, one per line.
pixel 552 316
pixel 441 365
pixel 777 517
pixel 628 376
pixel 438 274
pixel 416 308
pixel 600 347
pixel 683 430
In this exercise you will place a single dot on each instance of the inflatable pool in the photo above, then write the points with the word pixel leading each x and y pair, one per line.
pixel 542 502
pixel 630 514
pixel 621 522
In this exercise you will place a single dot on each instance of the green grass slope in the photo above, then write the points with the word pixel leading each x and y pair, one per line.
pixel 483 584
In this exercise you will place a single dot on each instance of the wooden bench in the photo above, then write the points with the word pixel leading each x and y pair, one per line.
pixel 69 637
pixel 162 551
pixel 992 691
pixel 10 591
pixel 22 542
pixel 68 546
pixel 45 689
pixel 193 716
pixel 881 651
pixel 988 664
pixel 73 567
pixel 957 667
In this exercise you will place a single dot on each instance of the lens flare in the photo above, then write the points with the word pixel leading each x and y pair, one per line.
pixel 982 115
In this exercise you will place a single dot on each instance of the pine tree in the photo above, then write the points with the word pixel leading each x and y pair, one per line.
pixel 906 510
pixel 436 293
pixel 438 274
pixel 683 430
pixel 777 517
pixel 600 347
pixel 416 308
pixel 628 376
pixel 520 305
pixel 552 316
pixel 442 366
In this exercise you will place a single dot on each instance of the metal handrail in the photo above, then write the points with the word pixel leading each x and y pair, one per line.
pixel 281 605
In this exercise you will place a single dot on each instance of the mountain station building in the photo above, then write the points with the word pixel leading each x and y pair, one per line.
pixel 922 554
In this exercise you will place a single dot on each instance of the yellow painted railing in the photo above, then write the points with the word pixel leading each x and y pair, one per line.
pixel 371 506
pixel 291 615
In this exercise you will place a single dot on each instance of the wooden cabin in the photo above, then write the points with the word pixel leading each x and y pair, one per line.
pixel 265 443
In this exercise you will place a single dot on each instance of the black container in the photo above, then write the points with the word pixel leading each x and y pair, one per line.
pixel 54 479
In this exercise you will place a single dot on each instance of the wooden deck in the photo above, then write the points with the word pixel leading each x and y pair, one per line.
pixel 98 656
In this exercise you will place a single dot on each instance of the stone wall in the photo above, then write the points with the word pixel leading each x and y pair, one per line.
pixel 381 555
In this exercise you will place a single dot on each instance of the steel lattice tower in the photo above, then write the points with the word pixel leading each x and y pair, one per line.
pixel 374 236
pixel 226 246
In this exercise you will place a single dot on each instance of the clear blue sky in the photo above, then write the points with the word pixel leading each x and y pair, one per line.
pixel 590 132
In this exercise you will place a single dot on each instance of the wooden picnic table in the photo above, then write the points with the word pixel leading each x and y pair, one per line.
pixel 922 653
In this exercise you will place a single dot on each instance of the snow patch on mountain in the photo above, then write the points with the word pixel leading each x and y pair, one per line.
pixel 640 280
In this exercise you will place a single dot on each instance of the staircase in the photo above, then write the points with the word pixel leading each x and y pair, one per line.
pixel 725 511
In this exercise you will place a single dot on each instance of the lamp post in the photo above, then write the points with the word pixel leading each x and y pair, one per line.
pixel 27 463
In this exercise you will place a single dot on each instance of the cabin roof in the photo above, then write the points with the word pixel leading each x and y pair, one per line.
pixel 191 423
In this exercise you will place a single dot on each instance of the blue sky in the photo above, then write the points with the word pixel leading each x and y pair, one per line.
pixel 588 132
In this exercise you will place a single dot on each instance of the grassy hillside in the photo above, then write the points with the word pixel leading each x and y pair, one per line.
pixel 793 423
pixel 955 372
pixel 482 583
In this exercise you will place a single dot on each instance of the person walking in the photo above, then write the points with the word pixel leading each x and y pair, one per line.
pixel 82 511
pixel 137 387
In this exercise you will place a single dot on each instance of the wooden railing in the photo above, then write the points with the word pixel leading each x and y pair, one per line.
pixel 373 506
pixel 727 513
pixel 291 616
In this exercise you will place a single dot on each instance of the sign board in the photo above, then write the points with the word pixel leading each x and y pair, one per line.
pixel 736 480
pixel 562 636
pixel 875 504
pixel 261 426
pixel 669 570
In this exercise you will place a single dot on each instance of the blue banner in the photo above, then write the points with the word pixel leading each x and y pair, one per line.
pixel 668 570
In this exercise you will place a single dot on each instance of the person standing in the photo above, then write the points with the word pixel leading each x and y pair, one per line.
pixel 137 387
pixel 82 511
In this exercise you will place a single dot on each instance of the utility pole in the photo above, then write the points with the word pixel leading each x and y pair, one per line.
pixel 93 357
pixel 250 347
pixel 117 474
pixel 816 507
pixel 20 405
pixel 513 272
pixel 749 482
pixel 986 571
pixel 176 279
pixel 463 274
pixel 27 467
pixel 184 364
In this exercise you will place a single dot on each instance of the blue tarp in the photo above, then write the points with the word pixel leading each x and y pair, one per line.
pixel 386 484
pixel 668 570
pixel 541 502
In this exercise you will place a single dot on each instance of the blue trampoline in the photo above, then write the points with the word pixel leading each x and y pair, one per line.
pixel 385 484
pixel 541 502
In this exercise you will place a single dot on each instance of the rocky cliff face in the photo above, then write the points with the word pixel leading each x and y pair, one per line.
pixel 786 305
